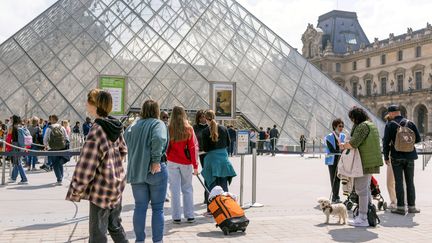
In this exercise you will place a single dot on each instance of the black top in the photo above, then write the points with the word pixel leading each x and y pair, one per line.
pixel 390 136
pixel 274 133
pixel 261 135
pixel 223 141
pixel 232 134
pixel 334 150
pixel 198 129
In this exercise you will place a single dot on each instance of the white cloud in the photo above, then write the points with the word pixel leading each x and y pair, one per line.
pixel 288 18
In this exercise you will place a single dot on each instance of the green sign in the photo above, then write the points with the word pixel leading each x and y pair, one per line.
pixel 116 86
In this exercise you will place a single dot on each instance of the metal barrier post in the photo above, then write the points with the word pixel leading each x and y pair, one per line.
pixel 424 156
pixel 242 183
pixel 3 166
pixel 254 179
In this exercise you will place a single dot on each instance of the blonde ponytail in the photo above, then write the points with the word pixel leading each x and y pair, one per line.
pixel 214 135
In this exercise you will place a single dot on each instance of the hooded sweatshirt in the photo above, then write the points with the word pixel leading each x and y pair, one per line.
pixel 111 126
pixel 99 174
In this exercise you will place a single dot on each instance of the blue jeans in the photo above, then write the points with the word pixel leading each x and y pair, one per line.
pixel 404 168
pixel 57 164
pixel 154 191
pixel 17 168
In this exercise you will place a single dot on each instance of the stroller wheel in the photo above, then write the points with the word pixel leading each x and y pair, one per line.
pixel 380 205
pixel 349 205
pixel 385 206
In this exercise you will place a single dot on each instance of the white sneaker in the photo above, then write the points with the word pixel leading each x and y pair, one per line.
pixel 359 222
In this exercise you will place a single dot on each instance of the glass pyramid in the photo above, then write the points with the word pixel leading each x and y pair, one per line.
pixel 170 50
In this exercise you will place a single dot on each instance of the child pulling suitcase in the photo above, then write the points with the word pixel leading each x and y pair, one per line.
pixel 229 216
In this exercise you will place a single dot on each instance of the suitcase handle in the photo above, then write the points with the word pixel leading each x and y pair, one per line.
pixel 202 183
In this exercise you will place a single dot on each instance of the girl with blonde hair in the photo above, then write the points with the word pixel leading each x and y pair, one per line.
pixel 182 156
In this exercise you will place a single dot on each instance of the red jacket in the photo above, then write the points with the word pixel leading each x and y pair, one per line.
pixel 176 154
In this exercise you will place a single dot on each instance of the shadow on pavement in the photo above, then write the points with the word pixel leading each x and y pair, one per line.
pixel 352 235
pixel 389 219
pixel 51 225
pixel 27 187
pixel 219 234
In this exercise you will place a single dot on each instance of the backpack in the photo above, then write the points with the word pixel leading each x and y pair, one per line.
pixel 405 138
pixel 24 137
pixel 57 140
pixel 372 216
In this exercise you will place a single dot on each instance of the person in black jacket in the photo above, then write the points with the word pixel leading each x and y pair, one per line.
pixel 199 127
pixel 402 162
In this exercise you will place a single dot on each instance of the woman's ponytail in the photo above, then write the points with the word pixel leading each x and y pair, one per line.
pixel 214 135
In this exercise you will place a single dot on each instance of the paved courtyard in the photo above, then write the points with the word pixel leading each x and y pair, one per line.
pixel 288 186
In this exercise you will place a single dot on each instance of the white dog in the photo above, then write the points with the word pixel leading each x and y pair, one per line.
pixel 338 209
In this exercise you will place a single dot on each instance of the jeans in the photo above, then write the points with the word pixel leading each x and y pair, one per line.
pixel 17 168
pixel 57 165
pixel 32 160
pixel 154 191
pixel 362 188
pixel 180 183
pixel 401 168
pixel 334 180
pixel 101 220
pixel 273 142
pixel 232 147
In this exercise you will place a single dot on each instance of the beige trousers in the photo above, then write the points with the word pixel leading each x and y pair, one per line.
pixel 391 185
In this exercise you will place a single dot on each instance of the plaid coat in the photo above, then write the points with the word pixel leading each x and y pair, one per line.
pixel 99 174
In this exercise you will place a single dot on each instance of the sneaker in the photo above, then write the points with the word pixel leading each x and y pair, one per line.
pixel 11 180
pixel 392 206
pixel 336 201
pixel 23 182
pixel 58 183
pixel 191 220
pixel 359 222
pixel 208 215
pixel 399 211
pixel 413 210
pixel 177 221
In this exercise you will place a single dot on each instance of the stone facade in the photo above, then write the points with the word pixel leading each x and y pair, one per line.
pixel 397 70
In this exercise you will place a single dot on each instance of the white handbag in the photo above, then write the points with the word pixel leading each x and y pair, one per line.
pixel 350 164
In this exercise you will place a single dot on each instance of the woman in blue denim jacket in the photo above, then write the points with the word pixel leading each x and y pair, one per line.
pixel 146 140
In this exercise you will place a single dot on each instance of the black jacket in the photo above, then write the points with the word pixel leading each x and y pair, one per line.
pixel 223 141
pixel 390 137
pixel 198 129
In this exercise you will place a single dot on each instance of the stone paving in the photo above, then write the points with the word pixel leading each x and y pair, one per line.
pixel 288 186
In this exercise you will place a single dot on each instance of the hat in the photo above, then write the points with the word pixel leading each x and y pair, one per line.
pixel 392 108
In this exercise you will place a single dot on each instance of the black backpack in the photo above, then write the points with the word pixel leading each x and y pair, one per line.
pixel 372 216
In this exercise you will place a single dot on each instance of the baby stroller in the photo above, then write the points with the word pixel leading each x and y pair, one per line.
pixel 352 198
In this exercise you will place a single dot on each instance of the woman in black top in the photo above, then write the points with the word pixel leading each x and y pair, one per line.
pixel 217 170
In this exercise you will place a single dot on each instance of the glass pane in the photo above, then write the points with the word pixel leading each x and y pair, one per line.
pixel 55 70
pixel 9 83
pixel 41 54
pixel 23 68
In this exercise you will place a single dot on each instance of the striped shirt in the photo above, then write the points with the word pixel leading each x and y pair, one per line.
pixel 99 174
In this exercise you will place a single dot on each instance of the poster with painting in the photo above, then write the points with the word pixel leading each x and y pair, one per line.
pixel 223 100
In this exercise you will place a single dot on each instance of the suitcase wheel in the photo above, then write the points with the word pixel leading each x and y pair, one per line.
pixel 225 231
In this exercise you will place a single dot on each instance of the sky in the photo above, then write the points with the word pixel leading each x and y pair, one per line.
pixel 287 18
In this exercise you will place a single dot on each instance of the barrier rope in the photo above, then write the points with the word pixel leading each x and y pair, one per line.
pixel 32 150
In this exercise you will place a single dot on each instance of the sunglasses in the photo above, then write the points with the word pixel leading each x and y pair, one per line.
pixel 165 117
pixel 341 126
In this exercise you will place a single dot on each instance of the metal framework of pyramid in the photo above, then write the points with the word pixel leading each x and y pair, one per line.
pixel 170 50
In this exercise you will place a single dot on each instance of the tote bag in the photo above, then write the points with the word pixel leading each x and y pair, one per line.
pixel 350 164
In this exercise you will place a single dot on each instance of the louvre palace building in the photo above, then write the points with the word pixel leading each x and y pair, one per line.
pixel 396 70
